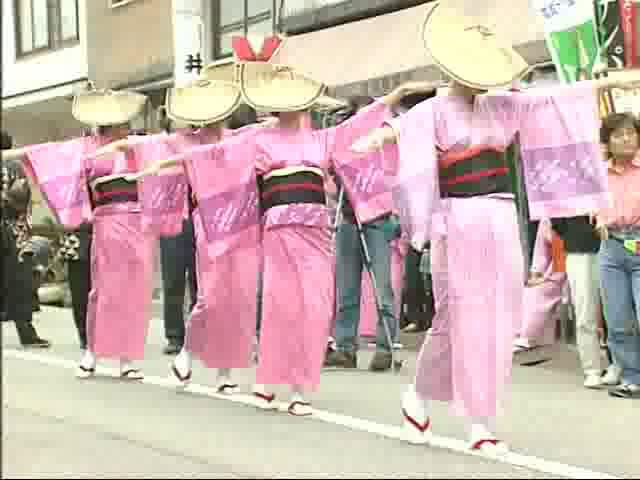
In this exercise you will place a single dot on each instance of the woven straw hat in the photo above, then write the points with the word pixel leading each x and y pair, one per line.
pixel 202 102
pixel 326 103
pixel 271 87
pixel 107 107
pixel 470 52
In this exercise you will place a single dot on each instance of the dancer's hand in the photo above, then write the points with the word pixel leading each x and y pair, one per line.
pixel 375 141
pixel 409 88
pixel 599 225
pixel 149 171
pixel 114 147
pixel 535 279
pixel 269 122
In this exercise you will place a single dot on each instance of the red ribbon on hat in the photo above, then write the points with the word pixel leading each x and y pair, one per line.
pixel 244 51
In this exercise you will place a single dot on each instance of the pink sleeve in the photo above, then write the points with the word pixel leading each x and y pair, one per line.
pixel 562 160
pixel 163 197
pixel 542 253
pixel 340 138
pixel 416 190
pixel 223 180
pixel 59 170
pixel 368 181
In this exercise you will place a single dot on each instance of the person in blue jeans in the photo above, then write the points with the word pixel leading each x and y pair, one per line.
pixel 350 264
pixel 619 227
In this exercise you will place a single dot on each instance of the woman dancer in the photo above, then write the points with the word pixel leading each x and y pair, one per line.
pixel 290 160
pixel 221 328
pixel 121 252
pixel 455 190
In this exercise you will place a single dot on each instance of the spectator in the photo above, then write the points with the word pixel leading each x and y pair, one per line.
pixel 17 254
pixel 619 227
pixel 582 244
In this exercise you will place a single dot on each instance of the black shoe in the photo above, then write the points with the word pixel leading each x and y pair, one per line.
pixel 172 348
pixel 37 343
pixel 341 360
pixel 380 362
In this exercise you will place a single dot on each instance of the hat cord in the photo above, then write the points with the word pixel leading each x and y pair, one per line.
pixel 482 29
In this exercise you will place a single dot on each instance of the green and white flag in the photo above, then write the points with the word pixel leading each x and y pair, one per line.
pixel 571 37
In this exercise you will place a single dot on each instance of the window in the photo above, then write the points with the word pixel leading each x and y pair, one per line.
pixel 241 17
pixel 45 25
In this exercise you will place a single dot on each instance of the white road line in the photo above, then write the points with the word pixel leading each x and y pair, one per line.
pixel 352 423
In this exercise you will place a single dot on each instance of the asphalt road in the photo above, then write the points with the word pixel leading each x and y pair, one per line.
pixel 55 426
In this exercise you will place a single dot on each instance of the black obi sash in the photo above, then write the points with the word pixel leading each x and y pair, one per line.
pixel 474 172
pixel 283 188
pixel 116 190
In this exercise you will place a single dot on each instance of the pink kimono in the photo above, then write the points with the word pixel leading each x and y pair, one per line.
pixel 222 324
pixel 477 263
pixel 298 293
pixel 541 301
pixel 121 252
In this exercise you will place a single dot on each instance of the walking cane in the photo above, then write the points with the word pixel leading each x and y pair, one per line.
pixel 338 219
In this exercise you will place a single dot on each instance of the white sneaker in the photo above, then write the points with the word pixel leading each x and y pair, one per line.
pixel 593 380
pixel 612 376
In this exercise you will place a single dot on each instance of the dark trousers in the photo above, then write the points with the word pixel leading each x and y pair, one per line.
pixel 79 274
pixel 178 258
pixel 17 286
pixel 418 301
pixel 532 233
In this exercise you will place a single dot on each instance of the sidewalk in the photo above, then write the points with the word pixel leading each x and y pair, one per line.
pixel 549 415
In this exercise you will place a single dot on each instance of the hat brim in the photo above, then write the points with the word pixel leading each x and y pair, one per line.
pixel 462 51
pixel 225 72
pixel 277 88
pixel 203 103
pixel 326 103
pixel 107 107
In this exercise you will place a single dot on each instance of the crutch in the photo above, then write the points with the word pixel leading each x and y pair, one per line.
pixel 395 363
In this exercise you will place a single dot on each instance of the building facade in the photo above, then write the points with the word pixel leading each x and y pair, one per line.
pixel 367 47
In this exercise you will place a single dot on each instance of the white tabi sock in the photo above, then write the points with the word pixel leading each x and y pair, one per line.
pixel 299 406
pixel 126 364
pixel 183 362
pixel 481 429
pixel 414 406
pixel 88 360
pixel 297 395
pixel 129 371
pixel 224 377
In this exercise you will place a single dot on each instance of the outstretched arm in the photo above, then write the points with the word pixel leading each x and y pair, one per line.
pixel 157 166
pixel 121 145
pixel 342 136
pixel 376 140
pixel 15 153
